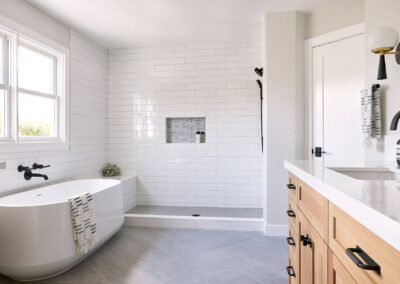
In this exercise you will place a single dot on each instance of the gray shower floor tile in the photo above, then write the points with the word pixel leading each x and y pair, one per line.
pixel 202 211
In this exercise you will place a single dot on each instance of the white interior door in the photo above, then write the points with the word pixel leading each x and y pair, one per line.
pixel 337 79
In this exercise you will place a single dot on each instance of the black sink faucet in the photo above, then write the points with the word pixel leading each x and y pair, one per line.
pixel 28 171
pixel 395 121
pixel 393 126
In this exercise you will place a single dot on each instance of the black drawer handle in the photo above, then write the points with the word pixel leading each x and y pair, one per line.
pixel 370 263
pixel 290 271
pixel 290 241
pixel 291 186
pixel 306 240
pixel 290 213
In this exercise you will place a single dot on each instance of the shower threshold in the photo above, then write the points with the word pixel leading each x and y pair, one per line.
pixel 201 211
pixel 209 218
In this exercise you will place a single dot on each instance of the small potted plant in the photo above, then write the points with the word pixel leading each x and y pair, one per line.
pixel 110 170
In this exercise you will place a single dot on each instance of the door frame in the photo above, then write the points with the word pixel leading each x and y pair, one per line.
pixel 310 44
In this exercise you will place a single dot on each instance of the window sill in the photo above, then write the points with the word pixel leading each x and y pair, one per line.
pixel 25 146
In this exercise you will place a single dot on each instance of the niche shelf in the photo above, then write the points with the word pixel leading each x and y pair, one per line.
pixel 183 129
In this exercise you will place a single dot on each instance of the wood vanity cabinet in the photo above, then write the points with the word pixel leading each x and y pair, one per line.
pixel 327 246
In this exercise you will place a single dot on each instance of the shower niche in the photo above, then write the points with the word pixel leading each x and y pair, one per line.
pixel 186 130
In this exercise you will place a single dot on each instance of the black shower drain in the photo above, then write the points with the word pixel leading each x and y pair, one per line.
pixel 196 215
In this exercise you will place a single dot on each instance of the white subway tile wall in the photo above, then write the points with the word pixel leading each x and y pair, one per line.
pixel 88 124
pixel 215 81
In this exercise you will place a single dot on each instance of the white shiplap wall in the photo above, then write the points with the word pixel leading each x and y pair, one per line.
pixel 88 123
pixel 216 81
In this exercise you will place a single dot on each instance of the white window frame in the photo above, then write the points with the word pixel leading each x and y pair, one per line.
pixel 5 85
pixel 18 35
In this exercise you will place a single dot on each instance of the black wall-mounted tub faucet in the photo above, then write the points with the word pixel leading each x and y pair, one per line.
pixel 28 171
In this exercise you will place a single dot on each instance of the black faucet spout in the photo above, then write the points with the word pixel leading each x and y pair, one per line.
pixel 395 121
pixel 31 175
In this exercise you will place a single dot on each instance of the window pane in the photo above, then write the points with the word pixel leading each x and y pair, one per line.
pixel 2 113
pixel 2 60
pixel 36 116
pixel 35 71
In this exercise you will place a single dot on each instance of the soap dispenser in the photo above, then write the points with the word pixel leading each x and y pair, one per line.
pixel 198 137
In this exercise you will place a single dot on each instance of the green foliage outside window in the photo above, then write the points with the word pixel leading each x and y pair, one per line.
pixel 34 128
pixel 30 128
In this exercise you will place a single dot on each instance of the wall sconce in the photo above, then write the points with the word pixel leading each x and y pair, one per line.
pixel 382 41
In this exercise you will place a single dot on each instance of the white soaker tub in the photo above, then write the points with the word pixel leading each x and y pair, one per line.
pixel 36 240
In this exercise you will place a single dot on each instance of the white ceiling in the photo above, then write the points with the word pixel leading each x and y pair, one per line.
pixel 126 23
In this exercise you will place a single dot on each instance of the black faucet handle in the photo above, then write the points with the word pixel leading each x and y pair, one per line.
pixel 21 168
pixel 39 166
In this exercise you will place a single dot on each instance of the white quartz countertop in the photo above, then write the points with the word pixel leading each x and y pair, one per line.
pixel 373 203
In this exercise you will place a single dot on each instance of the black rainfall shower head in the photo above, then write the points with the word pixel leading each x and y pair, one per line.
pixel 259 84
pixel 259 71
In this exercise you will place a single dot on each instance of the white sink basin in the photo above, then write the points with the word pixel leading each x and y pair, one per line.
pixel 368 173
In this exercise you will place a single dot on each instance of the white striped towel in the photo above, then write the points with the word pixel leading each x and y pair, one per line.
pixel 371 118
pixel 83 221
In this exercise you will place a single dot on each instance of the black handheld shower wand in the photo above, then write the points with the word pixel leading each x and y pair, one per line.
pixel 261 113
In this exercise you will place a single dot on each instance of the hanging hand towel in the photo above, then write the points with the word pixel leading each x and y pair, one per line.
pixel 371 113
pixel 83 221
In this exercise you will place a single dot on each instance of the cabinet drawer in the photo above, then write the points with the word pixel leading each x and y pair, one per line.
pixel 345 233
pixel 292 186
pixel 292 215
pixel 337 274
pixel 315 207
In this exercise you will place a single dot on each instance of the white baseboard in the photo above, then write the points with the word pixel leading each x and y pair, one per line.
pixel 276 230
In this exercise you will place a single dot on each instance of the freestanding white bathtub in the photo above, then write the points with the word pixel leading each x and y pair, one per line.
pixel 36 240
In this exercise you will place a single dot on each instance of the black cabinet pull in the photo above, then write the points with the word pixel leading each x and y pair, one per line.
pixel 290 271
pixel 370 263
pixel 291 186
pixel 290 213
pixel 306 240
pixel 290 241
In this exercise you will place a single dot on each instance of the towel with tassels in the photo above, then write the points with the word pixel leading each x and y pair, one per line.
pixel 83 221
pixel 371 117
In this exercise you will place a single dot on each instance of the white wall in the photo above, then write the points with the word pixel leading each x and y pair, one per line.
pixel 29 16
pixel 284 104
pixel 216 81
pixel 378 13
pixel 88 123
pixel 338 15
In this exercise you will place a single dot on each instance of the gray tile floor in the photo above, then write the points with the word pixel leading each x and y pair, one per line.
pixel 158 256
pixel 203 211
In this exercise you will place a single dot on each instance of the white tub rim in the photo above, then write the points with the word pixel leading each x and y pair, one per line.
pixel 113 182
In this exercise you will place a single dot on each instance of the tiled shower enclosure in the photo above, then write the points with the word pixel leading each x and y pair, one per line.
pixel 148 85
